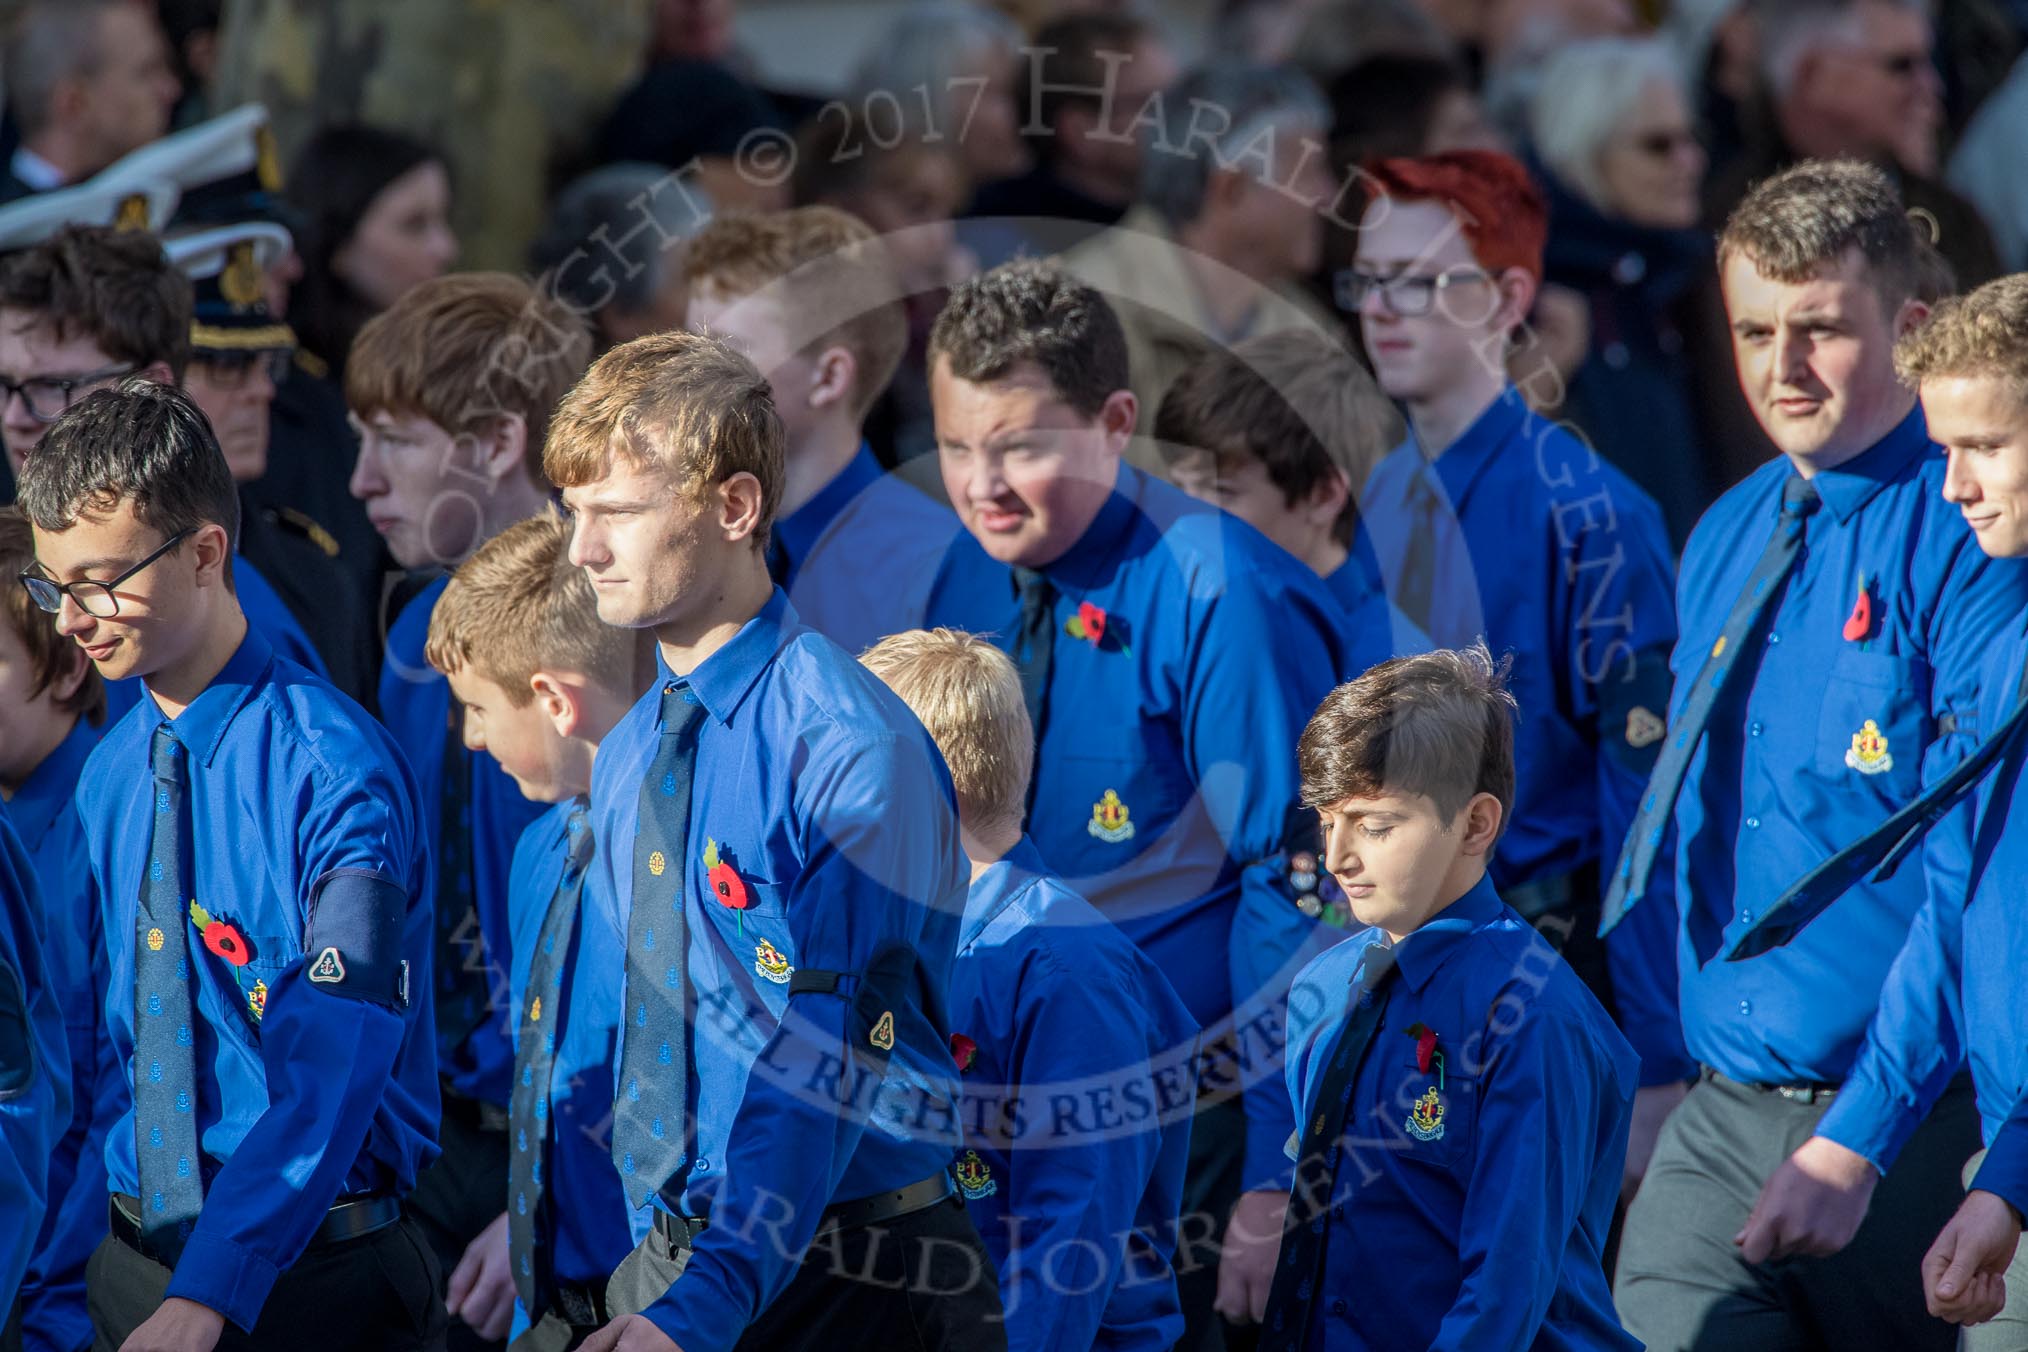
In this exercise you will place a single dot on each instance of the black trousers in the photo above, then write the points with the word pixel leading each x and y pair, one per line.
pixel 460 1195
pixel 918 1283
pixel 377 1293
pixel 1211 1185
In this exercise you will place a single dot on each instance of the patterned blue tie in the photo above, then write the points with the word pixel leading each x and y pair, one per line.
pixel 1299 1271
pixel 534 1061
pixel 1721 667
pixel 1415 589
pixel 165 1059
pixel 651 1114
pixel 1886 845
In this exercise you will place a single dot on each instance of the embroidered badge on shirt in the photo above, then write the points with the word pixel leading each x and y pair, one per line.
pixel 975 1177
pixel 1868 753
pixel 257 1001
pixel 882 1035
pixel 328 969
pixel 1109 819
pixel 769 962
pixel 1426 1119
pixel 1643 727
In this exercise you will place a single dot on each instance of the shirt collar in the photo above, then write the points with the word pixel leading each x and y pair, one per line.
pixel 1459 464
pixel 1420 954
pixel 34 171
pixel 722 680
pixel 800 530
pixel 201 727
pixel 1085 563
pixel 42 797
pixel 1847 489
pixel 1005 881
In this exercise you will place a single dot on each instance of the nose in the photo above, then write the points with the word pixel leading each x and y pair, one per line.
pixel 73 619
pixel 468 729
pixel 582 552
pixel 366 481
pixel 1959 487
pixel 1791 356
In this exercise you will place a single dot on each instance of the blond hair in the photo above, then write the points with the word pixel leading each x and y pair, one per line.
pixel 468 348
pixel 518 606
pixel 686 403
pixel 968 694
pixel 830 274
pixel 1981 334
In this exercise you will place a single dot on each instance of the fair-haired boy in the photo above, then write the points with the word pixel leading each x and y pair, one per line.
pixel 540 681
pixel 1462 1099
pixel 1051 1006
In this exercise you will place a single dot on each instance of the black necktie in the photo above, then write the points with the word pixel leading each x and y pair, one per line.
pixel 1415 589
pixel 1036 639
pixel 534 1062
pixel 1722 666
pixel 651 1115
pixel 1887 844
pixel 462 990
pixel 165 1057
pixel 1300 1269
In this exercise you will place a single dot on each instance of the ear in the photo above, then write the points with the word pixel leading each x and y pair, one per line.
pixel 832 377
pixel 1482 824
pixel 560 700
pixel 159 372
pixel 1116 419
pixel 502 448
pixel 1912 316
pixel 1517 295
pixel 1224 188
pixel 739 506
pixel 213 553
pixel 1326 498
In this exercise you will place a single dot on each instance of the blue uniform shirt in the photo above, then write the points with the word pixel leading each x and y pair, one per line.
pixel 824 794
pixel 1956 988
pixel 1077 1110
pixel 1828 737
pixel 34 1063
pixel 1366 608
pixel 1555 557
pixel 299 803
pixel 45 813
pixel 862 553
pixel 415 704
pixel 266 614
pixel 590 1233
pixel 1165 785
pixel 1477 1217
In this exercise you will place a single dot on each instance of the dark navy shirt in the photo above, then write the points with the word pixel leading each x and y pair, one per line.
pixel 1555 557
pixel 304 1094
pixel 415 704
pixel 1829 736
pixel 1077 1110
pixel 34 1062
pixel 821 791
pixel 1470 1198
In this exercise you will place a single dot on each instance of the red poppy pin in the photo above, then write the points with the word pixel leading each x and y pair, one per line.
pixel 221 936
pixel 963 1051
pixel 725 883
pixel 1427 1053
pixel 1092 624
pixel 1859 624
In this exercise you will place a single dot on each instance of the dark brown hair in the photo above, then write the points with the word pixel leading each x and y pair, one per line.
pixel 1439 724
pixel 1028 311
pixel 51 656
pixel 115 287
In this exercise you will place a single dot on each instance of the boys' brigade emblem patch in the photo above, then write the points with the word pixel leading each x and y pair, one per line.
pixel 1868 754
pixel 882 1035
pixel 1643 728
pixel 1426 1119
pixel 975 1177
pixel 328 969
pixel 1109 819
pixel 769 962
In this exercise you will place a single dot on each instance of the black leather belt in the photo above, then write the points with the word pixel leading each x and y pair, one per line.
pixel 680 1232
pixel 1808 1093
pixel 349 1220
pixel 581 1307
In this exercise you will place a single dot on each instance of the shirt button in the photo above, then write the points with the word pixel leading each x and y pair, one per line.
pixel 1746 1006
pixel 704 1166
pixel 1746 917
pixel 1774 638
pixel 1753 823
pixel 1338 1308
pixel 1753 731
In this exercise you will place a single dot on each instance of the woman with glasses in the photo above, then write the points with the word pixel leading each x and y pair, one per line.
pixel 1622 169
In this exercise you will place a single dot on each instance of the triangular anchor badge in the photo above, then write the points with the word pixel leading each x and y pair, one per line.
pixel 328 969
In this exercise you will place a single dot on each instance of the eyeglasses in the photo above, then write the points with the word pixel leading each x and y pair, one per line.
pixel 96 599
pixel 229 370
pixel 1405 293
pixel 46 397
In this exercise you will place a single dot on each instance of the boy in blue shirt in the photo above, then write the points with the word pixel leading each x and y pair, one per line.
pixel 1077 1055
pixel 262 880
pixel 450 390
pixel 540 681
pixel 52 712
pixel 1463 1098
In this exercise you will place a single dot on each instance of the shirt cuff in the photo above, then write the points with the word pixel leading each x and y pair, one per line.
pixel 226 1277
pixel 2004 1171
pixel 1865 1118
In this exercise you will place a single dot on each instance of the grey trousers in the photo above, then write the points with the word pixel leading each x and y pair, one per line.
pixel 1681 1285
pixel 2007 1332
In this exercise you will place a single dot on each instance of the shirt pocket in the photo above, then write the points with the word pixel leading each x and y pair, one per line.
pixel 1875 723
pixel 1432 1114
pixel 242 989
pixel 1110 809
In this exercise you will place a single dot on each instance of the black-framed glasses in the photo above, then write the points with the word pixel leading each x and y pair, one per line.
pixel 46 397
pixel 1406 293
pixel 230 370
pixel 97 599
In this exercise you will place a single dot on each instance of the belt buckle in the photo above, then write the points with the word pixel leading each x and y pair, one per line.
pixel 576 1307
pixel 1805 1094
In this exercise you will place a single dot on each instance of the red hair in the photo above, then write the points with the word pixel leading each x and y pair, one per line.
pixel 1499 208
